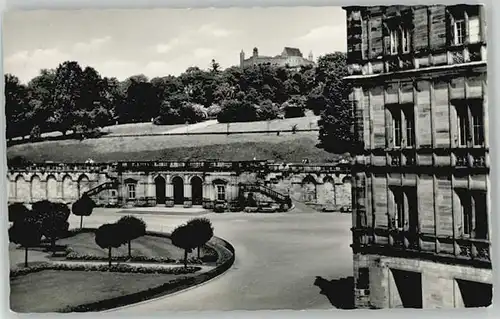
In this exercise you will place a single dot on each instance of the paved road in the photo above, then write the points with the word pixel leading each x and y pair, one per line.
pixel 278 257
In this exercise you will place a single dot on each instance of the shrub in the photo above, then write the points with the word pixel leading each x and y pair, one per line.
pixel 132 228
pixel 83 207
pixel 184 238
pixel 18 212
pixel 26 233
pixel 213 110
pixel 203 231
pixel 267 111
pixel 109 236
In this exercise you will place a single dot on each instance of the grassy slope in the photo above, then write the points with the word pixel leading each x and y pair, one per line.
pixel 286 147
pixel 50 290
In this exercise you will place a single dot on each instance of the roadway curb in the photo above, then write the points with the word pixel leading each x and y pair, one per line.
pixel 168 295
pixel 225 244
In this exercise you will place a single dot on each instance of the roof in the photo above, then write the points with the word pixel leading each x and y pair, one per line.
pixel 292 51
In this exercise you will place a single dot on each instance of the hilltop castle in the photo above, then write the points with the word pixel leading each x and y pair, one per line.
pixel 290 57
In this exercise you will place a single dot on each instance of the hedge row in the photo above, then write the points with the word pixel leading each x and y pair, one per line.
pixel 123 268
pixel 164 289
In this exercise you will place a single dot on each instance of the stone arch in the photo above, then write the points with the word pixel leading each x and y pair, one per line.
pixel 196 190
pixel 22 189
pixel 36 190
pixel 329 190
pixel 178 185
pixel 160 189
pixel 83 185
pixel 68 188
pixel 51 188
pixel 309 188
pixel 346 179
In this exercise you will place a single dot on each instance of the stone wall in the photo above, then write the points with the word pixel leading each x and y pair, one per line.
pixel 441 284
pixel 145 188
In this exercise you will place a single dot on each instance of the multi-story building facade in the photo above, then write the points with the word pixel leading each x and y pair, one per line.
pixel 421 221
pixel 290 57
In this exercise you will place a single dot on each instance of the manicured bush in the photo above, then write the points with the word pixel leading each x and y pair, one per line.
pixel 18 212
pixel 83 207
pixel 184 237
pixel 132 228
pixel 53 220
pixel 109 236
pixel 203 231
pixel 26 233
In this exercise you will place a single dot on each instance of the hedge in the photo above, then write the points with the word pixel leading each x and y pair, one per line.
pixel 123 268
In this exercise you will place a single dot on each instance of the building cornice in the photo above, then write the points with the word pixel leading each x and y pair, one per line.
pixel 421 72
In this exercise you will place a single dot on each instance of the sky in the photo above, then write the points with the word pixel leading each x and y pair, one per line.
pixel 159 42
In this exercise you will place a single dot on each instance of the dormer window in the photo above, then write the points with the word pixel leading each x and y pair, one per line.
pixel 400 39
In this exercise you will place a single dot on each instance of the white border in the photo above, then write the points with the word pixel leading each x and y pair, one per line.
pixel 493 22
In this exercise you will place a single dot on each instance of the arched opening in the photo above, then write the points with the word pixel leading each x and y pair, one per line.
pixel 51 188
pixel 329 190
pixel 23 192
pixel 160 190
pixel 197 190
pixel 68 191
pixel 309 189
pixel 36 189
pixel 178 185
pixel 83 185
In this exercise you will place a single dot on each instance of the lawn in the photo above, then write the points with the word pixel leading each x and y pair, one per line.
pixel 286 147
pixel 138 128
pixel 149 246
pixel 51 290
pixel 303 123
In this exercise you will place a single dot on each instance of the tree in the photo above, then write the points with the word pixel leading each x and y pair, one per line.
pixel 183 237
pixel 83 207
pixel 27 234
pixel 109 236
pixel 336 120
pixel 53 220
pixel 67 94
pixel 132 228
pixel 18 212
pixel 203 231
pixel 16 107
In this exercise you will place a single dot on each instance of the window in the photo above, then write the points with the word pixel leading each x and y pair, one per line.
pixel 363 278
pixel 399 203
pixel 221 192
pixel 405 208
pixel 396 127
pixel 394 41
pixel 131 191
pixel 459 31
pixel 405 41
pixel 410 126
pixel 400 39
pixel 470 123
pixel 403 136
pixel 473 213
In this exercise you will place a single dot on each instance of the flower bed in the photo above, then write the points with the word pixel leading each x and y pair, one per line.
pixel 124 268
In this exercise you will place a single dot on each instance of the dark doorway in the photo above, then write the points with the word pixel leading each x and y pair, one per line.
pixel 178 184
pixel 160 190
pixel 475 294
pixel 409 286
pixel 197 190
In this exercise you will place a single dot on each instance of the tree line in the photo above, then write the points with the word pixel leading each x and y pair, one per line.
pixel 72 98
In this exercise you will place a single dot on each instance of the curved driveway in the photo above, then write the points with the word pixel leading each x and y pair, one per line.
pixel 278 257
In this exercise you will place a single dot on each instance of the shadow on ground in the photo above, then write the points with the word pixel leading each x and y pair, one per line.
pixel 340 292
